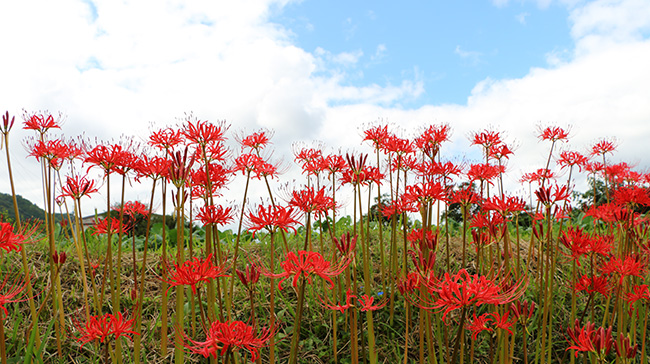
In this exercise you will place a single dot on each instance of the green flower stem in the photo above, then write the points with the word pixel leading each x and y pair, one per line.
pixel 236 254
pixel 137 339
pixel 179 352
pixel 163 310
pixel 23 254
pixel 293 356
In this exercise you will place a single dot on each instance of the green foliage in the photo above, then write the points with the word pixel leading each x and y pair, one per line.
pixel 28 210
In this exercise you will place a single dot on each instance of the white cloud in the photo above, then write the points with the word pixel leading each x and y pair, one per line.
pixel 346 59
pixel 471 57
pixel 380 53
pixel 139 62
pixel 521 17
pixel 605 23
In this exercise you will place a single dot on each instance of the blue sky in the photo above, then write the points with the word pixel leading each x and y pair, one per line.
pixel 449 46
pixel 322 70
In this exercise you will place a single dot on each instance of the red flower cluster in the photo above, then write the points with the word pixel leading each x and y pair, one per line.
pixel 589 339
pixel 103 327
pixel 223 337
pixel 195 271
pixel 9 240
pixel 482 322
pixel 458 290
pixel 308 264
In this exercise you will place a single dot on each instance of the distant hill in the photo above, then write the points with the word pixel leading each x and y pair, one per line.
pixel 28 210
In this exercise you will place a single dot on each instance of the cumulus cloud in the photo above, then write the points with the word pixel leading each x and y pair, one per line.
pixel 114 67
pixel 521 17
pixel 471 58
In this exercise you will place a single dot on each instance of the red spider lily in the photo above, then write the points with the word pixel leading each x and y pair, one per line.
pixel 107 158
pixel 13 291
pixel 334 163
pixel 431 138
pixel 409 283
pixel 250 275
pixel 622 267
pixel 395 144
pixel 256 141
pixel 462 289
pixel 502 322
pixel 309 200
pixel 432 170
pixel 346 244
pixel 619 172
pixel 594 167
pixel 14 241
pixel 399 207
pixel 505 206
pixel 570 159
pixel 102 226
pixel 541 174
pixel 193 272
pixel 479 324
pixel 252 163
pixel 341 307
pixel 605 212
pixel 423 255
pixel 216 214
pixel 152 167
pixel 7 123
pixel 494 223
pixel 600 244
pixel 204 132
pixel 631 196
pixel 181 168
pixel 133 209
pixel 214 153
pixel 218 178
pixel 577 241
pixel 589 339
pixel 624 348
pixel 404 163
pixel 464 196
pixel 547 198
pixel 603 147
pixel 376 135
pixel 523 310
pixel 423 193
pixel 593 284
pixel 53 151
pixel 272 218
pixel 366 303
pixel 423 238
pixel 42 122
pixel 367 175
pixel 310 159
pixel 486 138
pixel 166 138
pixel 639 292
pixel 102 327
pixel 127 160
pixel 483 172
pixel 224 337
pixel 75 150
pixel 77 187
pixel 307 264
pixel 553 133
pixel 499 152
pixel 59 258
pixel 424 262
pixel 354 164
